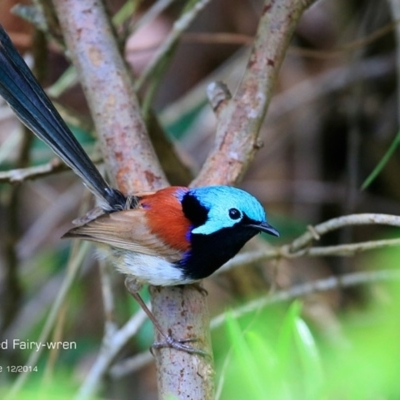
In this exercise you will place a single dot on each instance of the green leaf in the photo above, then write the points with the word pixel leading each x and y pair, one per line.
pixel 285 337
pixel 371 177
pixel 310 359
pixel 245 360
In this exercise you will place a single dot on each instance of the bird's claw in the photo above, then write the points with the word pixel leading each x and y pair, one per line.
pixel 170 342
pixel 200 289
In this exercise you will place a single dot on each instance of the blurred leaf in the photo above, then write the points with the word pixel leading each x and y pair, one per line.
pixel 382 163
pixel 243 354
pixel 278 365
pixel 309 357
pixel 181 126
pixel 286 332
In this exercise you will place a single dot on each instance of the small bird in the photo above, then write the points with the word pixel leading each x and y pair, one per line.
pixel 173 236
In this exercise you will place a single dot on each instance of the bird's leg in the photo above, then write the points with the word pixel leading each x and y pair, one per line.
pixel 133 288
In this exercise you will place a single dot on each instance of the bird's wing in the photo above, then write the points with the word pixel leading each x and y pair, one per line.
pixel 98 211
pixel 126 230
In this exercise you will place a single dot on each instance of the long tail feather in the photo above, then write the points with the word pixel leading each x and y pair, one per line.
pixel 23 93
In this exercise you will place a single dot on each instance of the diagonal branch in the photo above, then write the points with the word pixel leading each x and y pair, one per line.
pixel 240 121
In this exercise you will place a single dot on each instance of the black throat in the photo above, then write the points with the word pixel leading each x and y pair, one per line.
pixel 210 252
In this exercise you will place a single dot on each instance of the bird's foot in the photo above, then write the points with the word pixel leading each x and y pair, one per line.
pixel 199 288
pixel 181 345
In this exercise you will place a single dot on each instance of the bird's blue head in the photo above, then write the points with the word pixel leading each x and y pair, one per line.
pixel 214 208
pixel 222 220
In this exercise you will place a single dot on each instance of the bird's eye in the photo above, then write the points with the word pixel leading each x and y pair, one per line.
pixel 234 213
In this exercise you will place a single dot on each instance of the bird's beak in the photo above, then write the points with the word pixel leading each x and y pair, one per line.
pixel 265 227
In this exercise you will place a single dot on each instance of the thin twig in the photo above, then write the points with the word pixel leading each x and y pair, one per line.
pixel 40 171
pixel 23 174
pixel 340 222
pixel 110 326
pixel 131 364
pixel 180 25
pixel 110 348
pixel 333 282
pixel 299 246
pixel 217 38
pixel 344 249
pixel 152 13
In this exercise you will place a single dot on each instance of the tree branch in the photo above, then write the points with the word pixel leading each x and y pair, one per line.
pixel 240 121
pixel 127 151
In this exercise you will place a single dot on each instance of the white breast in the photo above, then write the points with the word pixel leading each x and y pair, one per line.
pixel 145 268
